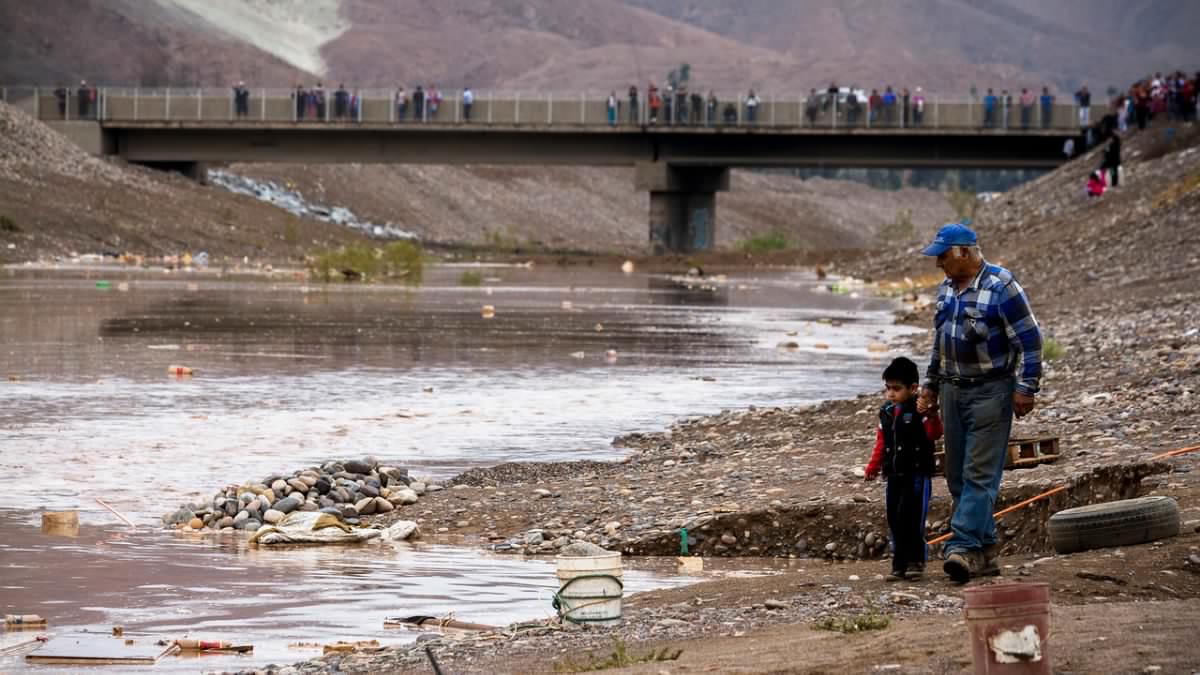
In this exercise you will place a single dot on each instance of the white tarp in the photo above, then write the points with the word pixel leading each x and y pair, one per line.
pixel 314 527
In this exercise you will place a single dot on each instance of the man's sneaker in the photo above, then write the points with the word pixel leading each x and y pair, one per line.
pixel 959 566
pixel 990 566
pixel 915 571
pixel 896 575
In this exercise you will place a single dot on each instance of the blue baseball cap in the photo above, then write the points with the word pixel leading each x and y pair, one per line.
pixel 951 235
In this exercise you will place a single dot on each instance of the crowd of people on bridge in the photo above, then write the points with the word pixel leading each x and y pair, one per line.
pixel 1172 96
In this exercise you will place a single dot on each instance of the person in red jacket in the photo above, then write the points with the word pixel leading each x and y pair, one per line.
pixel 904 455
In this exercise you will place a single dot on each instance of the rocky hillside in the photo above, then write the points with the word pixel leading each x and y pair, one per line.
pixel 1138 241
pixel 569 45
pixel 56 200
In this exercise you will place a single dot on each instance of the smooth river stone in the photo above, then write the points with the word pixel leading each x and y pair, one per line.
pixel 298 485
pixel 273 516
pixel 382 505
pixel 287 504
pixel 358 466
pixel 365 506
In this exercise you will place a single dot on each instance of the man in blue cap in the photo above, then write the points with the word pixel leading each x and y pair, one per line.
pixel 986 364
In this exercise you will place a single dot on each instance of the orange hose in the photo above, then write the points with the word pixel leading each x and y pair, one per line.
pixel 1060 488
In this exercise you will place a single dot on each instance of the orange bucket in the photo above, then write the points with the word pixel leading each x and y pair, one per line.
pixel 1010 628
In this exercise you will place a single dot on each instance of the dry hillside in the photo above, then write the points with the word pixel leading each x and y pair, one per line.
pixel 57 200
pixel 570 45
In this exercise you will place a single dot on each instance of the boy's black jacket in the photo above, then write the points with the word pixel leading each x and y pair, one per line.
pixel 907 449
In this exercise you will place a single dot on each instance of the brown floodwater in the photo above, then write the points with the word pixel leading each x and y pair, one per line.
pixel 290 373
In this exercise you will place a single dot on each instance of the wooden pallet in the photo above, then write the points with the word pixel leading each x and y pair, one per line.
pixel 1022 453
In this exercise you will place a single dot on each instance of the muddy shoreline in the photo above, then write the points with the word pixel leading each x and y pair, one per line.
pixel 786 482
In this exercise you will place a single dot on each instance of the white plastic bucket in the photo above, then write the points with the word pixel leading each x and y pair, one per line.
pixel 590 588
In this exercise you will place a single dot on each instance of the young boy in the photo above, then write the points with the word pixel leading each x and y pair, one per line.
pixel 904 454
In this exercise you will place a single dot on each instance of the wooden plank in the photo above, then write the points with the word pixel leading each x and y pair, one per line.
pixel 100 650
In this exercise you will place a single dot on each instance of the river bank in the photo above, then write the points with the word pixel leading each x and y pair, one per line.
pixel 1110 282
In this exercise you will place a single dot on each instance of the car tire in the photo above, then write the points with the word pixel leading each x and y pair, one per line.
pixel 1121 523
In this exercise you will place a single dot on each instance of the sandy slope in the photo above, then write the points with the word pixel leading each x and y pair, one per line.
pixel 293 30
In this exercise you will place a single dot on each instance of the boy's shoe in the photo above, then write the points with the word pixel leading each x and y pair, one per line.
pixel 895 575
pixel 915 571
pixel 960 565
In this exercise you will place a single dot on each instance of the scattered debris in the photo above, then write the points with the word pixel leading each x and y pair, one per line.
pixel 99 650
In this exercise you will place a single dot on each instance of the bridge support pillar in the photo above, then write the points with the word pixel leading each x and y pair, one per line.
pixel 683 204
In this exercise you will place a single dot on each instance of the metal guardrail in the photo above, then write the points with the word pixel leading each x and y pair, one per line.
pixel 381 107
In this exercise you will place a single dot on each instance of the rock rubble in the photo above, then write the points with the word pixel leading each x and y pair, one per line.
pixel 349 489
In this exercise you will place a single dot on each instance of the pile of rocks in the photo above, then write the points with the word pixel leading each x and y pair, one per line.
pixel 349 489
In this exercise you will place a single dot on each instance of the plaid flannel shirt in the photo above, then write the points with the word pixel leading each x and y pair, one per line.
pixel 986 331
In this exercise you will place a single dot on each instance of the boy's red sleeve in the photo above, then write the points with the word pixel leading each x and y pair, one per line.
pixel 933 426
pixel 876 463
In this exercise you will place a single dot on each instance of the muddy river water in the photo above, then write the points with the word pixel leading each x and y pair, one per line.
pixel 290 373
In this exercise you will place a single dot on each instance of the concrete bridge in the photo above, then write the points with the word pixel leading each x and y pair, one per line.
pixel 682 164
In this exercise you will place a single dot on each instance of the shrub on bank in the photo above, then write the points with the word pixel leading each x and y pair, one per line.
pixel 360 261
pixel 763 243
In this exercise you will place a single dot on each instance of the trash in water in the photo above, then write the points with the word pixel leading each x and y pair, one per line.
pixel 315 527
pixel 180 371
pixel 566 305
pixel 192 645
pixel 103 285
pixel 427 622
pixel 599 328
pixel 627 267
pixel 360 645
pixel 19 621
pixel 61 523
pixel 488 312
pixel 100 650
pixel 578 355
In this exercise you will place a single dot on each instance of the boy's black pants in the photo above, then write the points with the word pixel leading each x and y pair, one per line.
pixel 907 509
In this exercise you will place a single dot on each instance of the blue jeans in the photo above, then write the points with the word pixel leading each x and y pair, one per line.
pixel 977 419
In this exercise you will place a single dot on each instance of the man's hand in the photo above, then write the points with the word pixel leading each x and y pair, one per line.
pixel 1023 404
pixel 927 401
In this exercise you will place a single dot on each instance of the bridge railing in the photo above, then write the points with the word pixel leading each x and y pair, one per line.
pixel 513 108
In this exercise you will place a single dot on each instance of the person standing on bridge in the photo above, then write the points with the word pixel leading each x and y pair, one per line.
pixel 300 101
pixel 340 100
pixel 318 95
pixel 433 101
pixel 812 106
pixel 1047 107
pixel 654 101
pixel 468 102
pixel 918 106
pixel 989 110
pixel 241 100
pixel 711 108
pixel 633 104
pixel 401 103
pixel 752 102
pixel 61 96
pixel 1027 99
pixel 1084 98
pixel 610 107
pixel 84 96
pixel 985 366
pixel 889 106
pixel 419 104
